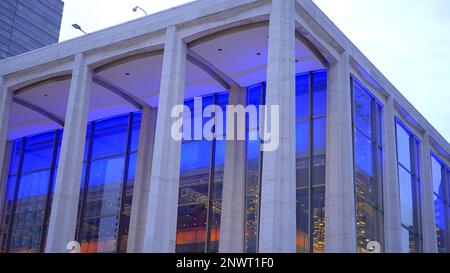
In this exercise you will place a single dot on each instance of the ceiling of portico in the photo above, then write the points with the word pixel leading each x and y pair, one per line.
pixel 241 55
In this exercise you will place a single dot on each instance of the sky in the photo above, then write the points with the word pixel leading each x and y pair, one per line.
pixel 407 40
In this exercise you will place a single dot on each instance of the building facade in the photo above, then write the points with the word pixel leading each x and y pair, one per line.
pixel 88 156
pixel 26 25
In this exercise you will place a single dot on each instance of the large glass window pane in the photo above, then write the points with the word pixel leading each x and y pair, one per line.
pixel 366 224
pixel 368 166
pixel 102 207
pixel 15 157
pixel 441 221
pixel 302 162
pixel 365 184
pixel 110 137
pixel 403 147
pixel 193 198
pixel 406 198
pixel 38 152
pixel 319 93
pixel 438 183
pixel 303 221
pixel 318 219
pixel 28 217
pixel 302 96
pixel 318 152
pixel 135 129
pixel 363 110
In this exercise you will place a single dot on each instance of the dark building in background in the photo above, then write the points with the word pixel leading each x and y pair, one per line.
pixel 26 25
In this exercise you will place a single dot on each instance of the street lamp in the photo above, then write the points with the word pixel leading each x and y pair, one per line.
pixel 135 9
pixel 77 27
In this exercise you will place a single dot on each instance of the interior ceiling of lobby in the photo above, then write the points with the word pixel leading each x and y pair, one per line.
pixel 241 55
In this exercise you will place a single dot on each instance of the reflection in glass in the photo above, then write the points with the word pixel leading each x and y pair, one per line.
pixel 368 166
pixel 200 193
pixel 439 172
pixel 310 161
pixel 409 185
pixel 107 184
pixel 27 201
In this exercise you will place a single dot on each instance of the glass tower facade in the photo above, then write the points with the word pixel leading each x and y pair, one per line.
pixel 26 25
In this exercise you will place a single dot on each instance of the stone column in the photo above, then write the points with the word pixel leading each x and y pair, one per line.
pixel 340 226
pixel 161 220
pixel 142 181
pixel 4 171
pixel 427 198
pixel 278 193
pixel 391 191
pixel 63 216
pixel 6 102
pixel 233 193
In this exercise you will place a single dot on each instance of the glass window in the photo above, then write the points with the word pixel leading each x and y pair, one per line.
pixel 26 209
pixel 409 185
pixel 256 97
pixel 107 184
pixel 310 163
pixel 363 109
pixel 201 179
pixel 302 96
pixel 319 93
pixel 39 152
pixel 368 166
pixel 110 137
pixel 441 204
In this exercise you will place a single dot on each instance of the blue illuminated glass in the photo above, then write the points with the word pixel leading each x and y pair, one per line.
pixel 319 93
pixel 438 181
pixel 441 221
pixel 38 152
pixel 368 158
pixel 318 152
pixel 363 109
pixel 406 198
pixel 403 147
pixel 110 137
pixel 302 162
pixel 15 157
pixel 135 129
pixel 302 96
pixel 363 154
pixel 200 190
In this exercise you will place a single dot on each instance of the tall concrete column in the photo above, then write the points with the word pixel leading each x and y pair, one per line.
pixel 427 198
pixel 63 215
pixel 161 220
pixel 278 195
pixel 233 193
pixel 4 171
pixel 6 102
pixel 391 191
pixel 142 181
pixel 340 226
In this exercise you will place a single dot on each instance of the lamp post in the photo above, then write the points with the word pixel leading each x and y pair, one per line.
pixel 135 9
pixel 77 27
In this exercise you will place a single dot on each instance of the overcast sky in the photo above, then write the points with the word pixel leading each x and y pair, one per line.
pixel 408 40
